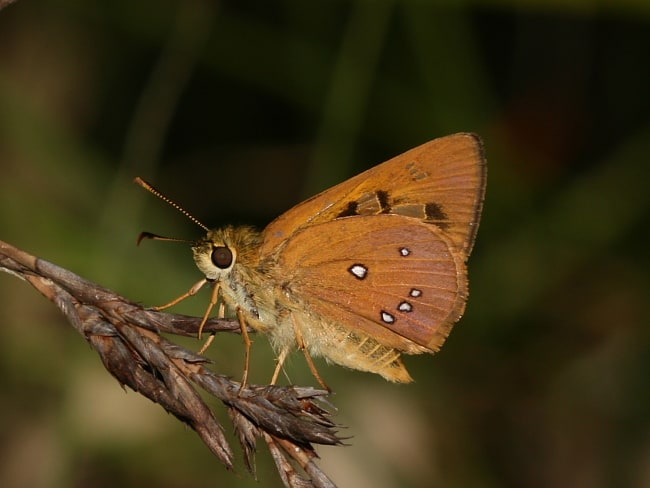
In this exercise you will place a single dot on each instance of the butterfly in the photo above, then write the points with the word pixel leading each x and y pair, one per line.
pixel 363 272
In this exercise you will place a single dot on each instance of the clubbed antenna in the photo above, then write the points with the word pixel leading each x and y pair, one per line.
pixel 151 189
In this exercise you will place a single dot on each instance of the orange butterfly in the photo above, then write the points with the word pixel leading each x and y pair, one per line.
pixel 362 272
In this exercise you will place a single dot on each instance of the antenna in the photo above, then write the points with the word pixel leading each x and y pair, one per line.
pixel 151 189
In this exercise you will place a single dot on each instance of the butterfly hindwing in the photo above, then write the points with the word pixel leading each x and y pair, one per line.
pixel 393 277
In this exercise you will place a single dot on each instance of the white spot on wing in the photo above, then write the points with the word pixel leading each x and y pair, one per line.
pixel 358 270
pixel 415 292
pixel 404 251
pixel 386 317
pixel 405 307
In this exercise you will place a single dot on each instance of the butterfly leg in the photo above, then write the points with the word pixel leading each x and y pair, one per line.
pixel 191 292
pixel 303 347
pixel 221 313
pixel 214 297
pixel 247 344
pixel 281 358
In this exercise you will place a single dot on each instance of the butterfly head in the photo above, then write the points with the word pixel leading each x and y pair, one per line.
pixel 222 249
pixel 214 255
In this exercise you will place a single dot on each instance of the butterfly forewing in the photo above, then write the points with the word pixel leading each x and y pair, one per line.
pixel 441 182
pixel 406 284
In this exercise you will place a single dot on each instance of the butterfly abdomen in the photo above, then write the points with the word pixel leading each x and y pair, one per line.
pixel 353 349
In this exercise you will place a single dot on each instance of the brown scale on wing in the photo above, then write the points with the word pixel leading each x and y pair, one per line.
pixel 380 202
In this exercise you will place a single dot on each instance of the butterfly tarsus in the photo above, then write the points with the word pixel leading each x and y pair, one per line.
pixel 247 344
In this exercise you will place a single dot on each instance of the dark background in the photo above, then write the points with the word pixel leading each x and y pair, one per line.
pixel 240 109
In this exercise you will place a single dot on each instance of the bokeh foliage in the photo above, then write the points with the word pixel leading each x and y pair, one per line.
pixel 238 110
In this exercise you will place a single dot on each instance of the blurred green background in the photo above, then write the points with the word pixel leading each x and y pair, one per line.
pixel 238 110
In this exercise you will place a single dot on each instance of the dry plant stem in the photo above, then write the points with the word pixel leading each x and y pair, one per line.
pixel 127 338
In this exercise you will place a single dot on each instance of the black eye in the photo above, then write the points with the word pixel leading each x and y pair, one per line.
pixel 222 257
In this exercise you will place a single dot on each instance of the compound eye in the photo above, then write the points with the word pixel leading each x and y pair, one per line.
pixel 221 257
